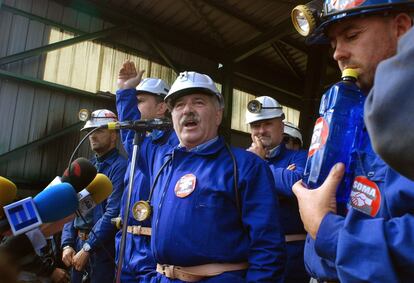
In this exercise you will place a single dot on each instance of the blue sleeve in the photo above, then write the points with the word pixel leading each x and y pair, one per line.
pixel 104 230
pixel 285 179
pixel 126 106
pixel 317 267
pixel 68 235
pixel 389 107
pixel 383 244
pixel 260 216
pixel 320 254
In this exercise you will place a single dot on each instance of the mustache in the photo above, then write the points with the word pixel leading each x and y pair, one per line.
pixel 189 117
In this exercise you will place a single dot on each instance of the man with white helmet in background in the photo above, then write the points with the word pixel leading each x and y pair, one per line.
pixel 148 95
pixel 215 210
pixel 265 116
pixel 292 136
pixel 88 242
pixel 373 242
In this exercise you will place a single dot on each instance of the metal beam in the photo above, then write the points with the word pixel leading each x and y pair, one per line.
pixel 54 87
pixel 227 91
pixel 22 149
pixel 261 41
pixel 315 70
pixel 195 8
pixel 233 12
pixel 160 50
pixel 60 44
pixel 287 60
pixel 185 41
pixel 267 84
pixel 40 19
pixel 154 43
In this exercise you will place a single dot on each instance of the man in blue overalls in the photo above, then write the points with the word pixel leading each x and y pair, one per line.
pixel 373 242
pixel 265 116
pixel 88 242
pixel 215 209
pixel 138 263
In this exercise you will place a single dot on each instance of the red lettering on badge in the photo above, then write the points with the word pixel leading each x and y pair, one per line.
pixel 185 186
pixel 319 136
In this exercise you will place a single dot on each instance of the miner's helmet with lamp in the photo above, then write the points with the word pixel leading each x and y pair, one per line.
pixel 312 19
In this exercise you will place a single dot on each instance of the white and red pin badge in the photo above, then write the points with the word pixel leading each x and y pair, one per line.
pixel 365 196
pixel 185 185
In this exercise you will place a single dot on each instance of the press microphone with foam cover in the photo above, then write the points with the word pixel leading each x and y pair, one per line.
pixel 8 192
pixel 55 203
pixel 95 193
pixel 79 174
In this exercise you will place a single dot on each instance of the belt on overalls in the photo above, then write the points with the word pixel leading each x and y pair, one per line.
pixel 295 237
pixel 198 272
pixel 139 230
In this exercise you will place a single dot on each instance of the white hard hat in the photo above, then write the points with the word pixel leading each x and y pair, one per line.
pixel 153 86
pixel 98 118
pixel 192 82
pixel 293 131
pixel 263 108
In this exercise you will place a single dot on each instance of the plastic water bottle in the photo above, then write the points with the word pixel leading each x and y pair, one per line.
pixel 336 136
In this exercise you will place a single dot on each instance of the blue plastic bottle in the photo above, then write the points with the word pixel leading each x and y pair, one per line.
pixel 336 136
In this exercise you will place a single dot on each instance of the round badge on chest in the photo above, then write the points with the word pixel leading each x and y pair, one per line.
pixel 185 185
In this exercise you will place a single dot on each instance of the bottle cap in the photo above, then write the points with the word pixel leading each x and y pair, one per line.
pixel 350 73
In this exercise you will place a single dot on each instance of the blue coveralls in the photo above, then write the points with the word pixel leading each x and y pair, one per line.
pixel 374 247
pixel 101 266
pixel 206 226
pixel 280 158
pixel 138 262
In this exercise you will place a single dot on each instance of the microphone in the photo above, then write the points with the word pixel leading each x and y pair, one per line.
pixel 95 193
pixel 140 125
pixel 8 192
pixel 49 205
pixel 79 174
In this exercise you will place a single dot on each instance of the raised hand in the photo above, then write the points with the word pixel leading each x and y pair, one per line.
pixel 128 76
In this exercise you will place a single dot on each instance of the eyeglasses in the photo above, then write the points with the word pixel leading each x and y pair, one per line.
pixel 255 106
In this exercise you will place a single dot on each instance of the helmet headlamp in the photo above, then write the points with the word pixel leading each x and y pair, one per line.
pixel 255 106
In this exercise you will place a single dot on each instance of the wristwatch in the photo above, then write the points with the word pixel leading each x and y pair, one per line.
pixel 66 247
pixel 86 247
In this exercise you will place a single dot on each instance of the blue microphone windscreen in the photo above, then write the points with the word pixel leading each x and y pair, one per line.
pixel 56 202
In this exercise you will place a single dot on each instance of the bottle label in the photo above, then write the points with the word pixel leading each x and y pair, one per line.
pixel 365 196
pixel 319 136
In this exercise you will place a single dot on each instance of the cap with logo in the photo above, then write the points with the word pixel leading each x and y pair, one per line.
pixel 189 82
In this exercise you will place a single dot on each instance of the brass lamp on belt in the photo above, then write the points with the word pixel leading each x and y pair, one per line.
pixel 141 210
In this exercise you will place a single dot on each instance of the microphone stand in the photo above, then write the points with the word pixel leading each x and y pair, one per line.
pixel 138 137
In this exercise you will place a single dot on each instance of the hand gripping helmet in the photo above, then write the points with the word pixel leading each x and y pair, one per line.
pixel 190 83
pixel 98 118
pixel 293 131
pixel 153 86
pixel 263 108
pixel 312 21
